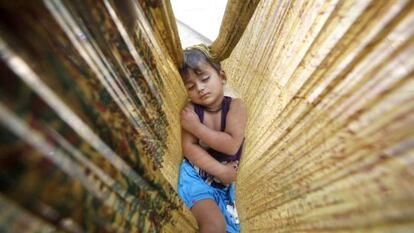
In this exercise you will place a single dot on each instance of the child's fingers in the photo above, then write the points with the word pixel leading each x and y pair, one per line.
pixel 235 164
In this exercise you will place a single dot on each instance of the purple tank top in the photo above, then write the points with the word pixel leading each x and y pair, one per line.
pixel 224 110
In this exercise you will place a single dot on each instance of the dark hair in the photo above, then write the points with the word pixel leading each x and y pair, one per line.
pixel 192 59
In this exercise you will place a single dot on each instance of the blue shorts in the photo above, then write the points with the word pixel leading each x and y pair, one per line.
pixel 192 188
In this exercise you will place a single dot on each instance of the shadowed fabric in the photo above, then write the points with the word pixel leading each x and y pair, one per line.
pixel 161 18
pixel 235 19
pixel 90 98
pixel 86 120
pixel 23 220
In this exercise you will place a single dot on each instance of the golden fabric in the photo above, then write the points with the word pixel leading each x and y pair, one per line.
pixel 235 20
pixel 90 97
pixel 89 126
pixel 330 136
pixel 161 18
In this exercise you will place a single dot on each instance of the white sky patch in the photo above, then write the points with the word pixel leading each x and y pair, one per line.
pixel 202 16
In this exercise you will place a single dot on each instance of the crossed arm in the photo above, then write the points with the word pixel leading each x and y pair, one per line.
pixel 227 142
pixel 199 157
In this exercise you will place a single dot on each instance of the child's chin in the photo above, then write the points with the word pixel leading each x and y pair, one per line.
pixel 206 102
pixel 203 101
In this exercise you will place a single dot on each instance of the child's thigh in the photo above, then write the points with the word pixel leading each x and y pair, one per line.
pixel 208 215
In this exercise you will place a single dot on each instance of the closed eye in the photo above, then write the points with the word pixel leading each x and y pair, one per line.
pixel 205 79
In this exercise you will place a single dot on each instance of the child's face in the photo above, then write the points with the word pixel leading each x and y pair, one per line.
pixel 205 87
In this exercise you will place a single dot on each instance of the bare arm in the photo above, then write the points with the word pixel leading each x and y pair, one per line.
pixel 227 142
pixel 199 157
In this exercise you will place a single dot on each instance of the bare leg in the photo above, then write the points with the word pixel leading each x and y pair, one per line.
pixel 209 217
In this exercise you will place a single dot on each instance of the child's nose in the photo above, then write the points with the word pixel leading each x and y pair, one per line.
pixel 200 87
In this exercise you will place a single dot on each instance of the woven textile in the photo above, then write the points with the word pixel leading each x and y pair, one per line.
pixel 90 97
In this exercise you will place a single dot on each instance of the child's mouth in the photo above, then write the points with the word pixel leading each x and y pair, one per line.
pixel 204 96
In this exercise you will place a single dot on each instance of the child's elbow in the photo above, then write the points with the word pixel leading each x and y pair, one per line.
pixel 231 151
pixel 234 148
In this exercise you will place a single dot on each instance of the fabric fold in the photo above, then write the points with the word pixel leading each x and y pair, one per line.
pixel 235 20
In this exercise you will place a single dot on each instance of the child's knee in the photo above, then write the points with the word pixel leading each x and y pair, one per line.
pixel 208 216
pixel 213 225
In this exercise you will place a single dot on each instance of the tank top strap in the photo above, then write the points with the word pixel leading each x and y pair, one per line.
pixel 224 110
pixel 199 110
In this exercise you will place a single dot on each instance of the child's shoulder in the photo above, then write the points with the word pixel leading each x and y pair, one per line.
pixel 189 104
pixel 237 103
pixel 237 107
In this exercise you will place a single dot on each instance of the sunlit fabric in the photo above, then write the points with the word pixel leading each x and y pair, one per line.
pixel 235 20
pixel 330 93
pixel 90 98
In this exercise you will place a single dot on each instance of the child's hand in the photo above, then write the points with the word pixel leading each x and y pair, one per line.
pixel 189 119
pixel 229 172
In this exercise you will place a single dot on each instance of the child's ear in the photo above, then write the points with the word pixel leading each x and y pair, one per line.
pixel 223 76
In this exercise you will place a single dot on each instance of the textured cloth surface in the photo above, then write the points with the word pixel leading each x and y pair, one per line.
pixel 90 99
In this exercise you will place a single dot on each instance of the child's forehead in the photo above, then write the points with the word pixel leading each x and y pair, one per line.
pixel 199 71
pixel 202 68
pixel 204 65
pixel 192 75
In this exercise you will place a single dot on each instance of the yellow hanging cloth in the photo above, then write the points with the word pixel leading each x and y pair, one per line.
pixel 90 98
